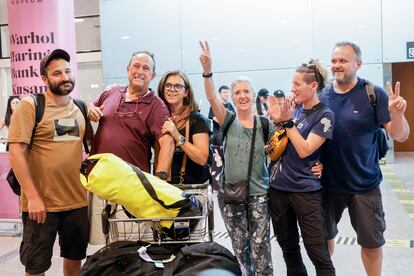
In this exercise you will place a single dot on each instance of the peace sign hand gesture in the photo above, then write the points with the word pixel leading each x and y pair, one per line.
pixel 205 57
pixel 396 104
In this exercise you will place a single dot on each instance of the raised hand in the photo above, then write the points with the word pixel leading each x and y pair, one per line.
pixel 205 57
pixel 288 107
pixel 275 108
pixel 396 104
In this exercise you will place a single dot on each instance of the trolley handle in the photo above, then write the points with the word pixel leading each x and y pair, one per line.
pixel 191 186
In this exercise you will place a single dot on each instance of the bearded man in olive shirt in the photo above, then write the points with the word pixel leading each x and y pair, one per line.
pixel 52 198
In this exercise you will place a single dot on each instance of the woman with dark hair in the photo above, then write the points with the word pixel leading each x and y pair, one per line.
pixel 11 106
pixel 261 102
pixel 191 153
pixel 295 192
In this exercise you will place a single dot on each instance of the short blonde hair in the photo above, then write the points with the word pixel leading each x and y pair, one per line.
pixel 243 79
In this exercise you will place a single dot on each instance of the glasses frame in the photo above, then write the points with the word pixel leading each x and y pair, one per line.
pixel 129 114
pixel 174 86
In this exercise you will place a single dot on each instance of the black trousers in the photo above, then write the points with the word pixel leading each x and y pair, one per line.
pixel 287 210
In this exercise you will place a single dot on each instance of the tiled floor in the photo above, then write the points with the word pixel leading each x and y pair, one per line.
pixel 397 189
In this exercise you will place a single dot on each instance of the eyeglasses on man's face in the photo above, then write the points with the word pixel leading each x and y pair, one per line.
pixel 174 86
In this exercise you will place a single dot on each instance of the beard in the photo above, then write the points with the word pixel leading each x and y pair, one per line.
pixel 344 78
pixel 59 90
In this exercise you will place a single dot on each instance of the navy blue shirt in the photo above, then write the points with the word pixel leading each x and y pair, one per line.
pixel 350 159
pixel 292 173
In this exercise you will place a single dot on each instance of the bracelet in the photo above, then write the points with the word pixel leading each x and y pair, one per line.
pixel 287 124
pixel 278 124
pixel 208 75
pixel 162 175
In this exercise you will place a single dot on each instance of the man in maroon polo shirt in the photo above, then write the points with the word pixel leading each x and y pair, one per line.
pixel 131 117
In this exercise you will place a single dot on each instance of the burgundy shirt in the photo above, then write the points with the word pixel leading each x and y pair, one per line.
pixel 129 129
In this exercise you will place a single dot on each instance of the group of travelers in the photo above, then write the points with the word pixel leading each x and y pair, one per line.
pixel 329 163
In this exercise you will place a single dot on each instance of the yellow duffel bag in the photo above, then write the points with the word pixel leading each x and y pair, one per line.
pixel 141 194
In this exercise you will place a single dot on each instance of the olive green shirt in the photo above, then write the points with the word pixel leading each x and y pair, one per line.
pixel 237 152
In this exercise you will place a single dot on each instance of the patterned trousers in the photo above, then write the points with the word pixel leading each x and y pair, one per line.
pixel 249 230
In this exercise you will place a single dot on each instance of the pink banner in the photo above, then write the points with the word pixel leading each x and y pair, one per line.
pixel 37 27
pixel 9 202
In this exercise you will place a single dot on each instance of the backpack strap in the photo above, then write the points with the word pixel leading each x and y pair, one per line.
pixel 88 127
pixel 370 88
pixel 265 128
pixel 39 104
pixel 372 97
pixel 150 190
pixel 226 129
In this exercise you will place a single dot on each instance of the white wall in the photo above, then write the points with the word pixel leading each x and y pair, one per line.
pixel 398 22
pixel 261 39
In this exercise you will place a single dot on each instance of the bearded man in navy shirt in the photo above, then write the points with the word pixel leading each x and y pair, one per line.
pixel 352 174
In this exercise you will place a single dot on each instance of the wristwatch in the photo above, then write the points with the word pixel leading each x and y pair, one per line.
pixel 288 124
pixel 162 175
pixel 181 140
pixel 207 75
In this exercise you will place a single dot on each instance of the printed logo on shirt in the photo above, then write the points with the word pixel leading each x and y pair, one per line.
pixel 326 124
pixel 66 130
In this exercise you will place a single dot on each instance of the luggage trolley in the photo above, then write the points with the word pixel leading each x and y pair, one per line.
pixel 117 225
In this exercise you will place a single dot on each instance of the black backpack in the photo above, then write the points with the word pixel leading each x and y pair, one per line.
pixel 40 102
pixel 381 134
